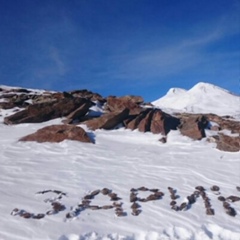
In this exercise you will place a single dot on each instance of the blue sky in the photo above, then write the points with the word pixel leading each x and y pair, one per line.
pixel 119 47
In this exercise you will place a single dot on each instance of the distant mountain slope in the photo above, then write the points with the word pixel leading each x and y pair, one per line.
pixel 201 98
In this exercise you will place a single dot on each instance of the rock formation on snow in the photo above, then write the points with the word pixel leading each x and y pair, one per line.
pixel 97 112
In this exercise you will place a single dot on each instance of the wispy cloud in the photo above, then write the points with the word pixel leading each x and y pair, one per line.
pixel 58 61
pixel 171 59
pixel 53 65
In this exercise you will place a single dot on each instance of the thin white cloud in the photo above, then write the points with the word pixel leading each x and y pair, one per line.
pixel 171 59
pixel 58 61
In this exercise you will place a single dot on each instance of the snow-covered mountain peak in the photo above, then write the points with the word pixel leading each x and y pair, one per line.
pixel 207 88
pixel 201 98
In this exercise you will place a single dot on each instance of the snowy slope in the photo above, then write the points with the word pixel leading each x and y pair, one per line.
pixel 119 160
pixel 202 98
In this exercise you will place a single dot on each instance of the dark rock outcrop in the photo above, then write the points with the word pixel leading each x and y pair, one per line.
pixel 163 122
pixel 193 126
pixel 153 120
pixel 58 133
pixel 135 120
pixel 226 143
pixel 225 123
pixel 115 104
pixel 46 111
pixel 77 114
pixel 145 123
pixel 131 111
pixel 107 120
pixel 7 105
pixel 88 94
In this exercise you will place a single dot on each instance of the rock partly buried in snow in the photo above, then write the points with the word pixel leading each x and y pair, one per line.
pixel 108 120
pixel 227 143
pixel 193 126
pixel 58 133
pixel 46 111
pixel 225 122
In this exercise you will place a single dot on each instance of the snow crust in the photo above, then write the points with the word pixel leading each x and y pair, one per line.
pixel 119 160
pixel 201 98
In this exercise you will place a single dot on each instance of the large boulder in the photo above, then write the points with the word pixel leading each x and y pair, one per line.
pixel 58 133
pixel 108 120
pixel 133 122
pixel 77 114
pixel 163 122
pixel 153 120
pixel 46 111
pixel 145 123
pixel 115 104
pixel 193 126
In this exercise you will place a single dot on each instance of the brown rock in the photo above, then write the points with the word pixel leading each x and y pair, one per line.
pixel 145 123
pixel 153 197
pixel 94 207
pixel 135 205
pixel 94 193
pixel 7 105
pixel 172 203
pixel 133 124
pixel 88 94
pixel 200 188
pixel 163 140
pixel 215 188
pixel 58 206
pixel 183 206
pixel 194 126
pixel 159 194
pixel 107 207
pixel 175 207
pixel 26 215
pixel 210 211
pixel 39 216
pixel 78 113
pixel 221 198
pixel 226 205
pixel 163 122
pixel 143 189
pixel 108 120
pixel 227 143
pixel 231 211
pixel 225 122
pixel 105 191
pixel 115 104
pixel 133 197
pixel 136 212
pixel 58 133
pixel 46 111
pixel 233 198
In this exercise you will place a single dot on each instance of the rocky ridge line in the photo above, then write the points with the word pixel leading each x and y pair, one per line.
pixel 76 107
